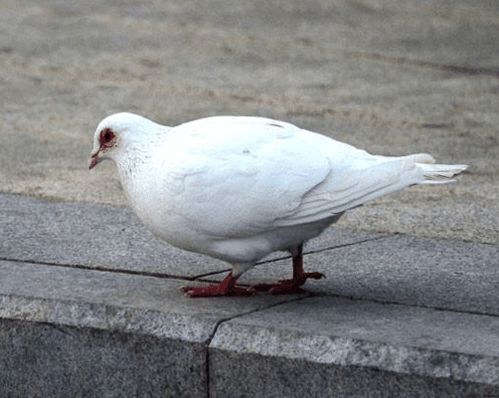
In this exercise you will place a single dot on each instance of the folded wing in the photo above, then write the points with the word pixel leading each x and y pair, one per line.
pixel 265 174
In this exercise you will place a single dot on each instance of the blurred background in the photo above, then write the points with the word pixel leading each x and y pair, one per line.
pixel 392 77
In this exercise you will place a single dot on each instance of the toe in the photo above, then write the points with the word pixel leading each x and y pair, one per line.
pixel 286 289
pixel 315 275
pixel 263 287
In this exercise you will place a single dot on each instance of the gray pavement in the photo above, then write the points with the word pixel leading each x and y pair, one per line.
pixel 89 300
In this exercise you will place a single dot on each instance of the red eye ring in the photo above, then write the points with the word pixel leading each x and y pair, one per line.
pixel 106 137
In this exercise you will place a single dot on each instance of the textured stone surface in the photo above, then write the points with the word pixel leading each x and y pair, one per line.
pixel 101 236
pixel 69 332
pixel 114 301
pixel 455 275
pixel 327 346
pixel 260 345
pixel 48 360
pixel 392 77
pixel 276 377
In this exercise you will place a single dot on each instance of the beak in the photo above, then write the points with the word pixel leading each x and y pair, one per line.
pixel 94 159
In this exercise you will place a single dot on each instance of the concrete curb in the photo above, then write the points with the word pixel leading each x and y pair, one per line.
pixel 77 327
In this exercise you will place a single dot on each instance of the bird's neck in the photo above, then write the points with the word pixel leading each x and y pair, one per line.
pixel 138 153
pixel 132 167
pixel 131 162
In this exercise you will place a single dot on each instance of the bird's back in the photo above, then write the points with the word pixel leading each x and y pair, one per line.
pixel 237 176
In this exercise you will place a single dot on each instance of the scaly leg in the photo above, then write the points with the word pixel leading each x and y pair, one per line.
pixel 292 286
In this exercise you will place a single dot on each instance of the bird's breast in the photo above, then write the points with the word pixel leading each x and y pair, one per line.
pixel 159 206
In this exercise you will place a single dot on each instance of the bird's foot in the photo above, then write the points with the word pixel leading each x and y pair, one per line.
pixel 225 288
pixel 288 286
pixel 215 290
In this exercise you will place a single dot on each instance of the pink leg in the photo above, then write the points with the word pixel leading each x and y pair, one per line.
pixel 290 286
pixel 225 288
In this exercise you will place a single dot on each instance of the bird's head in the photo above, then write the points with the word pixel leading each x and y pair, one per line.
pixel 115 133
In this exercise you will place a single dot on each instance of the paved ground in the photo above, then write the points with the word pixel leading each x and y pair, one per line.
pixel 392 77
pixel 89 301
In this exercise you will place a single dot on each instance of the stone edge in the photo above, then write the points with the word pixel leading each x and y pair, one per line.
pixel 244 339
pixel 344 351
pixel 107 317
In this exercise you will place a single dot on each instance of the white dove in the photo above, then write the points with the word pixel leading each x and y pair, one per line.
pixel 238 188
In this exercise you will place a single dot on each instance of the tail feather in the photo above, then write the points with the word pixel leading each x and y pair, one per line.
pixel 440 173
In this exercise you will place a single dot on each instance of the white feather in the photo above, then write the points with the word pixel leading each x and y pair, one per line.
pixel 238 188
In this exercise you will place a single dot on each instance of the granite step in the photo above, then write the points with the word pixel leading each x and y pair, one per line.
pixel 91 306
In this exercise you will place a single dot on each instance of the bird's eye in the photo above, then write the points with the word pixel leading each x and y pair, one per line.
pixel 106 136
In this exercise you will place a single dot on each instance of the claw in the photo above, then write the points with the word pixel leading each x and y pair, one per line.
pixel 314 275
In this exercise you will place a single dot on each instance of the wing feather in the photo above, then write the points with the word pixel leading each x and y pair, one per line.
pixel 265 174
pixel 335 197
